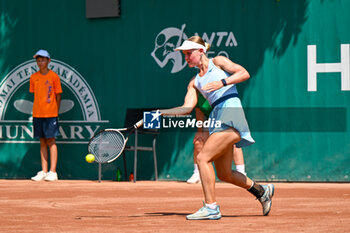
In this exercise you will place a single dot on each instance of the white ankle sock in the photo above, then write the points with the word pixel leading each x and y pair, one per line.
pixel 211 206
pixel 241 168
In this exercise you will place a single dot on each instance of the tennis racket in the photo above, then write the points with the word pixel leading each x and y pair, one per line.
pixel 108 144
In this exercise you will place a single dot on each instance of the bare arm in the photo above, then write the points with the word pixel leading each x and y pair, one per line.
pixel 239 73
pixel 189 103
pixel 58 100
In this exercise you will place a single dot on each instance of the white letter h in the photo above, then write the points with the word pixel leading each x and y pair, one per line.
pixel 313 68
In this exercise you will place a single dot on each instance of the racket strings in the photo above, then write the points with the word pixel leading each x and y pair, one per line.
pixel 107 145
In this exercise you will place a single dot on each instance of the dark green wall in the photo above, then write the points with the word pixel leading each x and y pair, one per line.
pixel 113 56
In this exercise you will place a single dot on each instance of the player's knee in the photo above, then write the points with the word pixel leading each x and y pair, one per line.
pixel 202 158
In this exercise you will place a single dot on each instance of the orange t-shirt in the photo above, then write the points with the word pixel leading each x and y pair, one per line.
pixel 45 88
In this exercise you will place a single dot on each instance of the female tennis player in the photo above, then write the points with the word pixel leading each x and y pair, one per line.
pixel 216 81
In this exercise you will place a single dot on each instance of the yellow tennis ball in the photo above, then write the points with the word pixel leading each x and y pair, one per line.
pixel 90 158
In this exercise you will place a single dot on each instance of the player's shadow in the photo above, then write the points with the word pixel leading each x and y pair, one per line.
pixel 160 214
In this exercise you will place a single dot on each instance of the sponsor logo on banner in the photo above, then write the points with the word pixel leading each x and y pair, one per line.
pixel 78 104
pixel 151 120
pixel 170 38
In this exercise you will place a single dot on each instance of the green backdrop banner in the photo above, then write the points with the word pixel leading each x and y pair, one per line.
pixel 297 53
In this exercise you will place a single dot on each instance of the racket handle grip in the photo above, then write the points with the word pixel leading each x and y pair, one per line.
pixel 139 124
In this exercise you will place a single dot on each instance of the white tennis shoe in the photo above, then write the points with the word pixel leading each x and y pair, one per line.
pixel 266 199
pixel 51 176
pixel 39 176
pixel 205 213
pixel 194 179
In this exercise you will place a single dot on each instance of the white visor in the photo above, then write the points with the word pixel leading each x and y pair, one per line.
pixel 187 45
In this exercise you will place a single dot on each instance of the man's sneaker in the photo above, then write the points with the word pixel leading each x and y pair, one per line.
pixel 265 200
pixel 39 176
pixel 205 213
pixel 194 179
pixel 51 176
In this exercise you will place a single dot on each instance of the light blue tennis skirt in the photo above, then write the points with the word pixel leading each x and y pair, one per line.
pixel 231 115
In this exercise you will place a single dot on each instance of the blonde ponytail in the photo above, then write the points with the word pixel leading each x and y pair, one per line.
pixel 207 46
pixel 199 40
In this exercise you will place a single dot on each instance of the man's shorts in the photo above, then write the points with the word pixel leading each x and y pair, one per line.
pixel 45 127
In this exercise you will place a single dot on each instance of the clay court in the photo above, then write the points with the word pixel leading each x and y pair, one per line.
pixel 148 206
